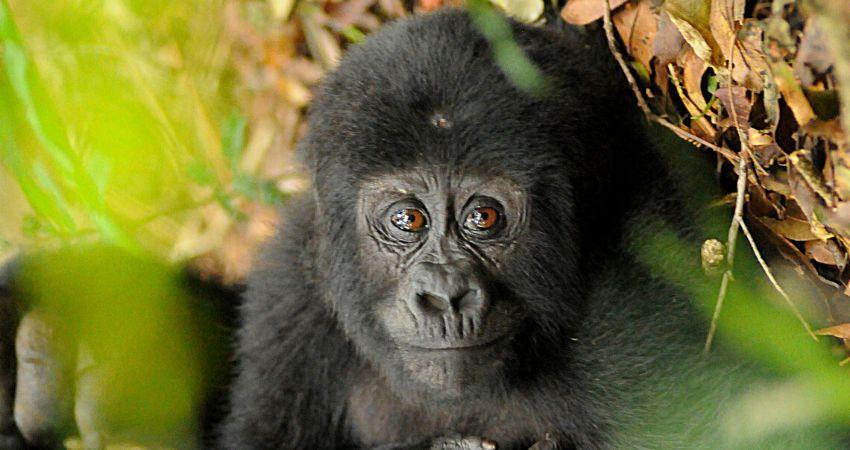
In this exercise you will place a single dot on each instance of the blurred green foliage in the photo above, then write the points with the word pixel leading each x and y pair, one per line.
pixel 114 113
pixel 117 113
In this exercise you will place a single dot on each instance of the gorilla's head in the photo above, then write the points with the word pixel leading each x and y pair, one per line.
pixel 452 207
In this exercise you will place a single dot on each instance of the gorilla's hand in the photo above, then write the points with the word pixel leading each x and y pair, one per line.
pixel 547 443
pixel 463 443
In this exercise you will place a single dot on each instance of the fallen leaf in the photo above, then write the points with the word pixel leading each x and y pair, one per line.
pixel 293 91
pixel 668 41
pixel 636 25
pixel 840 331
pixel 737 105
pixel 786 248
pixel 792 93
pixel 768 154
pixel 722 25
pixel 791 228
pixel 322 43
pixel 760 204
pixel 770 100
pixel 748 64
pixel 692 17
pixel 429 5
pixel 826 252
pixel 582 12
pixel 801 160
pixel 813 56
pixel 694 68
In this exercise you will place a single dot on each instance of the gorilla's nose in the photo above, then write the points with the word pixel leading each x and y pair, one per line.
pixel 447 291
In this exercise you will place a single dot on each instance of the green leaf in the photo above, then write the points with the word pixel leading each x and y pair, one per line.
pixel 508 55
pixel 353 34
pixel 233 138
pixel 200 173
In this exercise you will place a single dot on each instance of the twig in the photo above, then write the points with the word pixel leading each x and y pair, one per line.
pixel 612 45
pixel 607 25
pixel 694 139
pixel 730 247
pixel 773 281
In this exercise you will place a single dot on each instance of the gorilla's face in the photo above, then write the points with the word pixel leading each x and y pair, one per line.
pixel 460 277
pixel 439 242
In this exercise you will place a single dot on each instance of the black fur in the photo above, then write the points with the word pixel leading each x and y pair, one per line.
pixel 602 336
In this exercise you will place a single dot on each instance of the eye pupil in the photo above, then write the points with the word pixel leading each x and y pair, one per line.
pixel 408 220
pixel 482 218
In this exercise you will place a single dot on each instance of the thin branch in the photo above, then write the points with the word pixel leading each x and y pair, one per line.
pixel 694 139
pixel 612 45
pixel 607 25
pixel 773 281
pixel 730 247
pixel 732 236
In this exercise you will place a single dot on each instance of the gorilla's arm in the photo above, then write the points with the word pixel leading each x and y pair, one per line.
pixel 39 402
pixel 8 324
pixel 291 376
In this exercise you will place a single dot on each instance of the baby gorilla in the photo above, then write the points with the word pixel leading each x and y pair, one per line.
pixel 463 273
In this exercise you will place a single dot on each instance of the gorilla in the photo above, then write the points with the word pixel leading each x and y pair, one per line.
pixel 467 270
pixel 463 273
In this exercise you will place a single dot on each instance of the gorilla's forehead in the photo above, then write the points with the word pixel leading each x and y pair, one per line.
pixel 441 181
pixel 429 92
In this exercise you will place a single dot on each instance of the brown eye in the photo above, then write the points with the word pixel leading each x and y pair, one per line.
pixel 482 218
pixel 409 219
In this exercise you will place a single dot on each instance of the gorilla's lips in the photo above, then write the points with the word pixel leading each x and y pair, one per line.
pixel 481 343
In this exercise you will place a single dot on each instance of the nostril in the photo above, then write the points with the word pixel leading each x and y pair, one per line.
pixel 431 302
pixel 471 301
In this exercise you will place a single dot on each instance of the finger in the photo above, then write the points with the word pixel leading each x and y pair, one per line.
pixel 43 399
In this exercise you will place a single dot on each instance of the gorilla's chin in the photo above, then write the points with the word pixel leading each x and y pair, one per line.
pixel 459 373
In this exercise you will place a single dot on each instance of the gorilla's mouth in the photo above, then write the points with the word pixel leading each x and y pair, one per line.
pixel 479 344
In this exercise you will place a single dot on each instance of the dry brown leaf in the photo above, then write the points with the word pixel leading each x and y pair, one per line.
pixel 826 252
pixel 694 68
pixel 691 17
pixel 722 25
pixel 792 93
pixel 737 105
pixel 776 181
pixel 699 126
pixel 841 166
pixel 770 100
pixel 636 25
pixel 429 5
pixel 803 166
pixel 758 139
pixel 760 204
pixel 582 12
pixel 786 248
pixel 813 57
pixel 322 43
pixel 840 331
pixel 393 8
pixel 668 42
pixel 768 154
pixel 749 67
pixel 293 92
pixel 792 228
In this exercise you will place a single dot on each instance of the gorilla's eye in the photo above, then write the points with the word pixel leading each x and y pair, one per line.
pixel 481 219
pixel 409 219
